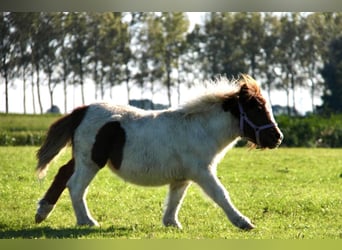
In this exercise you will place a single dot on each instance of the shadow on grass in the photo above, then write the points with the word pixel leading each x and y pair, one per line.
pixel 66 233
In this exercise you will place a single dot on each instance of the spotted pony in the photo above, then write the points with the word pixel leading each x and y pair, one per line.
pixel 174 147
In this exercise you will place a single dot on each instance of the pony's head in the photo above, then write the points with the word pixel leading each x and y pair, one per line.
pixel 256 120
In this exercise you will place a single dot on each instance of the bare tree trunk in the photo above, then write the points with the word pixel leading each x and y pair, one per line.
pixel 128 90
pixel 288 102
pixel 102 83
pixel 73 91
pixel 24 89
pixel 293 92
pixel 6 92
pixel 33 96
pixel 313 85
pixel 95 75
pixel 65 94
pixel 168 85
pixel 269 94
pixel 128 77
pixel 102 90
pixel 153 91
pixel 38 90
pixel 312 94
pixel 178 90
pixel 268 84
pixel 287 90
pixel 82 92
pixel 50 91
pixel 82 84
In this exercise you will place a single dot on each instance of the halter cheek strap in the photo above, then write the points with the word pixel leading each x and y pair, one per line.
pixel 257 129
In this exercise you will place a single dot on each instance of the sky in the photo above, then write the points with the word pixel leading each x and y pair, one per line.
pixel 303 101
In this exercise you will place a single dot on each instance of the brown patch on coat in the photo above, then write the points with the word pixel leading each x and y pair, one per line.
pixel 59 183
pixel 109 144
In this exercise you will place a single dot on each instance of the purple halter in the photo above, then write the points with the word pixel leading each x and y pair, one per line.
pixel 257 129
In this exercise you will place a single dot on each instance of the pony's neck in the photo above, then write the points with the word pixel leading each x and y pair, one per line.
pixel 222 127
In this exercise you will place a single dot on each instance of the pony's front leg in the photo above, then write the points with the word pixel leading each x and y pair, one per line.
pixel 78 186
pixel 215 190
pixel 177 191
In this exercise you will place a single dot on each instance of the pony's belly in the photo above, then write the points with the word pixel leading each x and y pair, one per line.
pixel 143 179
pixel 148 177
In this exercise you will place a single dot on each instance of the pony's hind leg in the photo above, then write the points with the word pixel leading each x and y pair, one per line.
pixel 49 200
pixel 78 186
pixel 177 191
pixel 215 190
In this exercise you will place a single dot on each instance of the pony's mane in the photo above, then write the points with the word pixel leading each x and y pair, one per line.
pixel 251 87
pixel 218 90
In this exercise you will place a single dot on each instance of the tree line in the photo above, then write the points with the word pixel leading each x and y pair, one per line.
pixel 284 51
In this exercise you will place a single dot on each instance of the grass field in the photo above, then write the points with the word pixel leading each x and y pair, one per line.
pixel 287 193
pixel 18 129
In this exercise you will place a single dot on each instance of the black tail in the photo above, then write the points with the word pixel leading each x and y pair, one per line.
pixel 59 134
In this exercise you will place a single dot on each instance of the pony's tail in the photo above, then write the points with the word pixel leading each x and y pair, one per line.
pixel 59 134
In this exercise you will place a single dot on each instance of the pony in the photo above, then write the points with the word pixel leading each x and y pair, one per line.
pixel 175 147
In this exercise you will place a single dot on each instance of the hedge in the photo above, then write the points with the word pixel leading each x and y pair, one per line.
pixel 309 131
pixel 22 138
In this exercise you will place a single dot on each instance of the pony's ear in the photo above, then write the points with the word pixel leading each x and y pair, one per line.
pixel 230 104
pixel 248 89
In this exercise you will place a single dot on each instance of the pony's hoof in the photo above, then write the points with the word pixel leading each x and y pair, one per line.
pixel 88 223
pixel 248 226
pixel 174 224
pixel 245 224
pixel 39 218
pixel 43 211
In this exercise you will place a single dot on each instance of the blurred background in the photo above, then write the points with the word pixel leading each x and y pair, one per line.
pixel 54 62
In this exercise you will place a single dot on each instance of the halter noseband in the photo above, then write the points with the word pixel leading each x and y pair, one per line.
pixel 257 129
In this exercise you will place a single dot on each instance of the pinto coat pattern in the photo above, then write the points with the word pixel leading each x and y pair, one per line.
pixel 172 147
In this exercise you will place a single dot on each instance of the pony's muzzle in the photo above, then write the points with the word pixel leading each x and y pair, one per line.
pixel 277 137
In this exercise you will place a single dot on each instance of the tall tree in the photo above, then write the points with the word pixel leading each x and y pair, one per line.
pixel 36 34
pixel 270 42
pixel 79 40
pixel 21 54
pixel 223 48
pixel 175 25
pixel 148 68
pixel 253 39
pixel 155 48
pixel 332 74
pixel 5 50
pixel 137 32
pixel 49 44
pixel 63 50
pixel 109 50
pixel 194 55
pixel 118 39
pixel 312 52
pixel 125 48
pixel 95 42
pixel 289 55
pixel 166 32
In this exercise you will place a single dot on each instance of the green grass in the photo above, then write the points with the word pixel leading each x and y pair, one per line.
pixel 19 122
pixel 288 194
pixel 18 129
